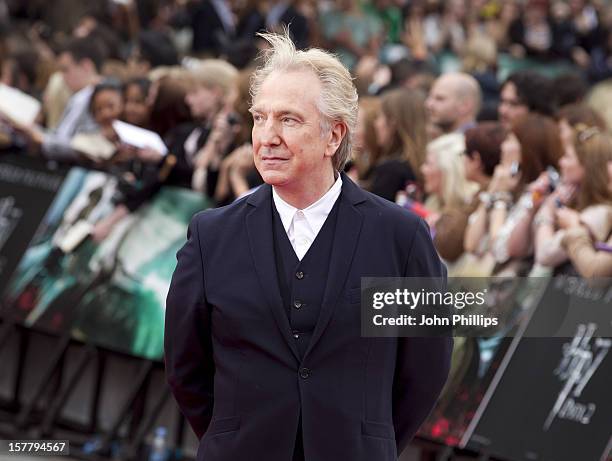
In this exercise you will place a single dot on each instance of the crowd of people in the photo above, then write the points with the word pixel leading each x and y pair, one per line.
pixel 511 175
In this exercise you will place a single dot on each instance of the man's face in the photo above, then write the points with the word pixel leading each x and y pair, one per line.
pixel 76 74
pixel 442 105
pixel 289 147
pixel 203 102
pixel 510 107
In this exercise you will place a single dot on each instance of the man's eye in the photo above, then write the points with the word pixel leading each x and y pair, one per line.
pixel 257 118
pixel 289 121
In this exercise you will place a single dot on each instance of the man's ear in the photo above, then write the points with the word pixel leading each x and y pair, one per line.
pixel 336 135
pixel 466 107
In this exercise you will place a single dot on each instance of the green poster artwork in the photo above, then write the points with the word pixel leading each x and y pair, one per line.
pixel 110 293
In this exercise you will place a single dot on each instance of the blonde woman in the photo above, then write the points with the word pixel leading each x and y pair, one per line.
pixel 448 191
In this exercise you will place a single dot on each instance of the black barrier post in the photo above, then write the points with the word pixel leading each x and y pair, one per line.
pixel 54 363
pixel 97 394
pixel 140 381
pixel 132 449
pixel 179 439
pixel 24 341
pixel 138 410
pixel 58 403
pixel 7 330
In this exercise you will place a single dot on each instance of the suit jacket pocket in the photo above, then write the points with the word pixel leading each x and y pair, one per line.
pixel 376 429
pixel 223 425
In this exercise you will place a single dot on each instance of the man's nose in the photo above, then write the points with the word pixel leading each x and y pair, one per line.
pixel 269 135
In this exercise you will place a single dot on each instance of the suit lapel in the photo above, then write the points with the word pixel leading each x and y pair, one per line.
pixel 348 228
pixel 260 232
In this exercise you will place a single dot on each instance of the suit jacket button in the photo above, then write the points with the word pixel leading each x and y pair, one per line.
pixel 297 304
pixel 304 373
pixel 299 275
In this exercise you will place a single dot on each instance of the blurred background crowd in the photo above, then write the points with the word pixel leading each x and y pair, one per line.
pixel 488 118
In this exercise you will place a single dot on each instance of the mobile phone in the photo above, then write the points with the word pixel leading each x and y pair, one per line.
pixel 515 167
pixel 553 178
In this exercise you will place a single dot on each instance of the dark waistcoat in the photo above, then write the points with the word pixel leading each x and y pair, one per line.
pixel 302 283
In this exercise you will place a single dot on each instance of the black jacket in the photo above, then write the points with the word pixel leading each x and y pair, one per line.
pixel 232 362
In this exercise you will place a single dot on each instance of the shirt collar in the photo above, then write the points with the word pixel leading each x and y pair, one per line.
pixel 315 213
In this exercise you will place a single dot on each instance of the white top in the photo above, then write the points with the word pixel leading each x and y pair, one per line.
pixel 76 118
pixel 302 226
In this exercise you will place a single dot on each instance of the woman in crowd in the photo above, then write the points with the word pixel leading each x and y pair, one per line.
pixel 167 99
pixel 574 116
pixel 136 110
pixel 366 149
pixel 519 243
pixel 481 156
pixel 584 171
pixel 401 134
pixel 210 82
pixel 588 258
pixel 237 173
pixel 449 192
pixel 141 172
pixel 514 195
pixel 107 106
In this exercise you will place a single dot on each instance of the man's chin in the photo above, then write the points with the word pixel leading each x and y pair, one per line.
pixel 273 178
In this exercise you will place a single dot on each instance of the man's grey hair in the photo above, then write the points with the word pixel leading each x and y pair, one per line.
pixel 338 101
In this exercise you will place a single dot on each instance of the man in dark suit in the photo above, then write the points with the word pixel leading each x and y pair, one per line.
pixel 263 345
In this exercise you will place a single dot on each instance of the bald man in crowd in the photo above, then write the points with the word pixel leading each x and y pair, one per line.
pixel 453 102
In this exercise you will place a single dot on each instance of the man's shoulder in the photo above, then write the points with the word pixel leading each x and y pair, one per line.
pixel 386 212
pixel 222 215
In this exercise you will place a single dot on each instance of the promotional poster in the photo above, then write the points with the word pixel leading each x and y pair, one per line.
pixel 110 293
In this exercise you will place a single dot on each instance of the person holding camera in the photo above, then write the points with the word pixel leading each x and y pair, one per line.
pixel 222 171
pixel 517 188
pixel 587 202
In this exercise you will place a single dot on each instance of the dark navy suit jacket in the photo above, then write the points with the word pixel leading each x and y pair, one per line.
pixel 232 363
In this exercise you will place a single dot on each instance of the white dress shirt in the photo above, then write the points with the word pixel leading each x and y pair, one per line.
pixel 76 118
pixel 302 226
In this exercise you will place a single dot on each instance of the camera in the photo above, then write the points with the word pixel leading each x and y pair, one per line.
pixel 553 178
